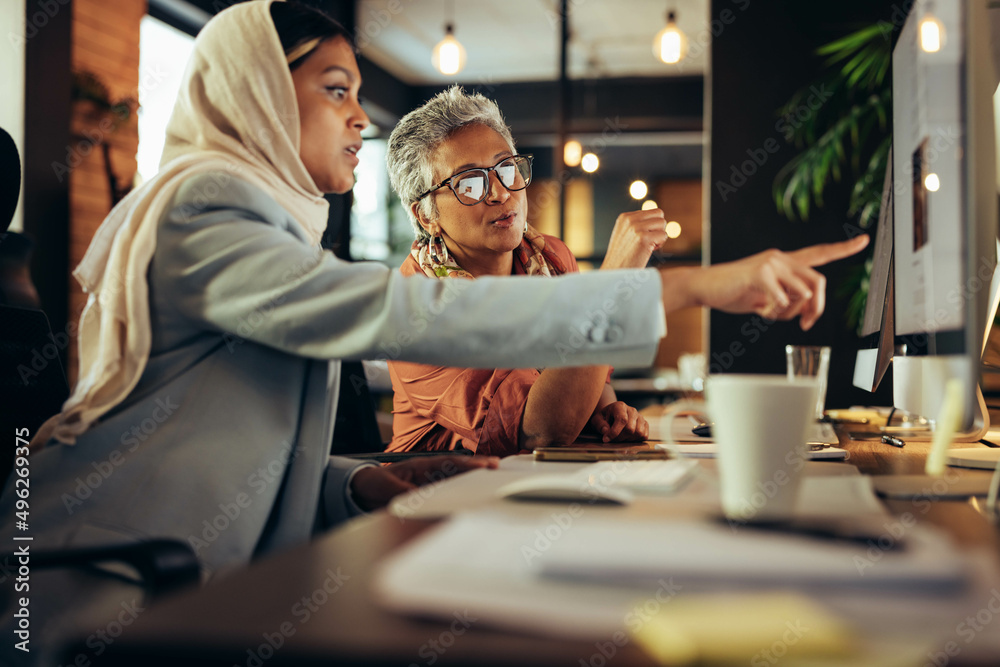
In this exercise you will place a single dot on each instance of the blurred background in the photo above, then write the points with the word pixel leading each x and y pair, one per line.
pixel 585 88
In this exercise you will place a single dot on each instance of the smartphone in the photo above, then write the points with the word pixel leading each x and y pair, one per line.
pixel 600 453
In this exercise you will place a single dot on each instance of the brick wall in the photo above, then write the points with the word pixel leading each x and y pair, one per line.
pixel 106 44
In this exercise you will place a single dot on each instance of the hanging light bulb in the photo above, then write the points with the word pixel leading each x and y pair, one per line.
pixel 670 44
pixel 572 153
pixel 449 54
pixel 590 163
pixel 931 33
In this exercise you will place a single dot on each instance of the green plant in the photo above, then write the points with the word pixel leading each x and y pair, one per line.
pixel 98 118
pixel 88 87
pixel 848 130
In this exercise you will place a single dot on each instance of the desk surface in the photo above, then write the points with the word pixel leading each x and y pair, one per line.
pixel 314 603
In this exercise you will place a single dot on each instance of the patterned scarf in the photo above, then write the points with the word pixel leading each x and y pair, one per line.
pixel 531 256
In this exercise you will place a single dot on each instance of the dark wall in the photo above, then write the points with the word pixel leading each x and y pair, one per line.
pixel 759 60
pixel 46 141
pixel 608 107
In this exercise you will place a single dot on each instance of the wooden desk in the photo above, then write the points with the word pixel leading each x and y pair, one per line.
pixel 221 623
pixel 257 617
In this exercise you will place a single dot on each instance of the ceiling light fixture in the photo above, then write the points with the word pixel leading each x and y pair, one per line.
pixel 590 163
pixel 572 153
pixel 449 54
pixel 670 44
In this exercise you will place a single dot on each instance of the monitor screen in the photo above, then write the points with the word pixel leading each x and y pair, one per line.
pixel 937 141
pixel 939 266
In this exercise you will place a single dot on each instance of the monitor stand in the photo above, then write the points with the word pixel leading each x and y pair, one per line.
pixel 983 458
pixel 976 457
pixel 923 429
pixel 969 457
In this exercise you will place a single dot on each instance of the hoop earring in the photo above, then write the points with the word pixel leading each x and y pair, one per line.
pixel 438 250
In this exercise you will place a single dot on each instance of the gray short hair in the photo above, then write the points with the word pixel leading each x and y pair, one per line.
pixel 418 135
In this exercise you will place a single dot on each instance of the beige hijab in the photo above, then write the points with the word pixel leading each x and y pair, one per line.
pixel 236 111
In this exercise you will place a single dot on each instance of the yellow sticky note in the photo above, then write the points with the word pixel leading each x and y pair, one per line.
pixel 745 628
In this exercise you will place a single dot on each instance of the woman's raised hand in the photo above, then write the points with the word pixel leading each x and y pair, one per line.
pixel 635 236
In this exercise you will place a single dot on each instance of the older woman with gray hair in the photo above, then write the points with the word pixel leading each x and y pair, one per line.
pixel 454 162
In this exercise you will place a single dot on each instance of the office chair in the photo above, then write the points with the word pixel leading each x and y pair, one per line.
pixel 356 433
pixel 10 179
pixel 33 387
pixel 163 565
pixel 356 428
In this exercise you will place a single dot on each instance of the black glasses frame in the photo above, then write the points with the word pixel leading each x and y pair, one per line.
pixel 451 180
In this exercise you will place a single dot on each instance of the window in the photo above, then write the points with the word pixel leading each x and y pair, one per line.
pixel 163 55
pixel 380 228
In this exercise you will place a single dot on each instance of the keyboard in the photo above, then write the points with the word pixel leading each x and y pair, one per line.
pixel 656 476
pixel 818 432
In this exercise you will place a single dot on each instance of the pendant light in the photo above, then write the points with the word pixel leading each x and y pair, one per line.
pixel 449 54
pixel 670 44
pixel 572 153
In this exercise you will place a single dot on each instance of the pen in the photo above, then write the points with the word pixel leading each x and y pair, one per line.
pixel 892 440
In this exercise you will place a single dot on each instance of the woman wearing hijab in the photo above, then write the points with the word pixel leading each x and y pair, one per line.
pixel 209 344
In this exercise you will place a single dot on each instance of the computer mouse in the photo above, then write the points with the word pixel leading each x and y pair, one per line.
pixel 564 488
pixel 703 430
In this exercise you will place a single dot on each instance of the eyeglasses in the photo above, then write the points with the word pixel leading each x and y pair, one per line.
pixel 472 185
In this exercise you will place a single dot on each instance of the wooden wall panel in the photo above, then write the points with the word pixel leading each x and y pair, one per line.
pixel 681 200
pixel 543 213
pixel 106 44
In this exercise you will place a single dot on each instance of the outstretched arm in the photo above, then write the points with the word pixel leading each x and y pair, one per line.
pixel 775 284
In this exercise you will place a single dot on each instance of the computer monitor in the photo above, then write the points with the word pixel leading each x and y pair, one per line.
pixel 943 255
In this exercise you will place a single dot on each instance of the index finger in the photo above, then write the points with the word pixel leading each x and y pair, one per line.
pixel 824 253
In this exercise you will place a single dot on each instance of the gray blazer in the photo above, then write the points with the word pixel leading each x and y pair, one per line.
pixel 225 441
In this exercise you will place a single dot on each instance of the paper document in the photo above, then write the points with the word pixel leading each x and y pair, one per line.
pixel 681 431
pixel 700 554
pixel 578 573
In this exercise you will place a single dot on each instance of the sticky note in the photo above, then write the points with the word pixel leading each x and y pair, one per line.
pixel 763 628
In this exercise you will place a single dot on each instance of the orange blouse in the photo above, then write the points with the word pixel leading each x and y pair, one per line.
pixel 438 408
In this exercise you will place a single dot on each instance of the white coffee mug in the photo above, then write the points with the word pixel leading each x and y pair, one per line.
pixel 760 427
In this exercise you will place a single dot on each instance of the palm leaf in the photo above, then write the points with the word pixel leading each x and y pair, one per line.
pixel 842 130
